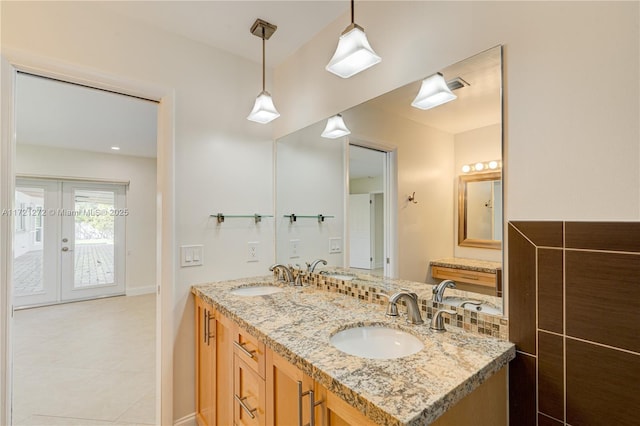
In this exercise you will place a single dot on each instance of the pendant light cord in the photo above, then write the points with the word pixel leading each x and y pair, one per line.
pixel 352 6
pixel 263 59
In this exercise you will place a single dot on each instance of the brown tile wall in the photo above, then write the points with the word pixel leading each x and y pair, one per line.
pixel 574 315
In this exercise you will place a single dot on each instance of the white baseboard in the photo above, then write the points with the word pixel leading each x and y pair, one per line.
pixel 137 291
pixel 189 420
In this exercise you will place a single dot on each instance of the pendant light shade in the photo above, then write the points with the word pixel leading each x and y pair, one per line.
pixel 433 92
pixel 335 128
pixel 354 53
pixel 263 110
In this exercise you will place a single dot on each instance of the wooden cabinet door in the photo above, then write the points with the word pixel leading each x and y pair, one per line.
pixel 205 363
pixel 224 370
pixel 248 394
pixel 336 412
pixel 288 400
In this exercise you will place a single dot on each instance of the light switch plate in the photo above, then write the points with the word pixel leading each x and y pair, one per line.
pixel 191 255
pixel 335 245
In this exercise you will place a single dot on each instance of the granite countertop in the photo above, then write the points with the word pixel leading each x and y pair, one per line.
pixel 468 264
pixel 298 322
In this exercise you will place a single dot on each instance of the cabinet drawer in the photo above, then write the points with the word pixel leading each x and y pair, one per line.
pixel 249 395
pixel 250 350
pixel 465 276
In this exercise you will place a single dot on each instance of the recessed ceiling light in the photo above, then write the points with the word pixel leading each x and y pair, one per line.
pixel 115 148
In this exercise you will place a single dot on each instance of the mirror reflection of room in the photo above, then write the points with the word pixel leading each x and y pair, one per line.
pixel 430 148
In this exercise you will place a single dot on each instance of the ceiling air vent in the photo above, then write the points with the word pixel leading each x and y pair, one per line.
pixel 457 83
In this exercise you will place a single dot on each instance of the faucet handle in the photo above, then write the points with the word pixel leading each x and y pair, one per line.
pixel 437 322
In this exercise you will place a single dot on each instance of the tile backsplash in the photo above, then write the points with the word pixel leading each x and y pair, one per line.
pixel 370 291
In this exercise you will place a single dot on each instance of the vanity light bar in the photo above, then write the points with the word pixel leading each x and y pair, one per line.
pixel 482 166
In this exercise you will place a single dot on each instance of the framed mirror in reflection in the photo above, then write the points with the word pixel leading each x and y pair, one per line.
pixel 480 210
pixel 424 153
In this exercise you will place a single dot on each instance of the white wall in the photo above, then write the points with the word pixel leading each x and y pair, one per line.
pixel 567 124
pixel 223 162
pixel 482 144
pixel 141 198
pixel 311 181
pixel 425 166
pixel 366 185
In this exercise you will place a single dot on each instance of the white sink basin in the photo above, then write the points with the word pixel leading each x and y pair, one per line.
pixel 376 342
pixel 341 277
pixel 256 290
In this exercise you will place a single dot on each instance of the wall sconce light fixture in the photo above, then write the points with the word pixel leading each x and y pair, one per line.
pixel 482 166
pixel 263 110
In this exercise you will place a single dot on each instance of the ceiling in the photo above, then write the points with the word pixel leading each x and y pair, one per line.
pixel 225 24
pixel 53 113
pixel 63 115
pixel 478 105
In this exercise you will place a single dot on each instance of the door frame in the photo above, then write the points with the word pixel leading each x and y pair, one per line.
pixel 13 61
pixel 390 187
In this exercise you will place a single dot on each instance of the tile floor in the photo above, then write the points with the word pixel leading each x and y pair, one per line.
pixel 85 363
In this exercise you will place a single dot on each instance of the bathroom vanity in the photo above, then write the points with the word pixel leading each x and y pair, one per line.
pixel 268 359
pixel 481 276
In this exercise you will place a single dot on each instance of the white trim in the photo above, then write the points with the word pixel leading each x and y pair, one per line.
pixel 14 61
pixel 189 420
pixel 7 197
pixel 139 291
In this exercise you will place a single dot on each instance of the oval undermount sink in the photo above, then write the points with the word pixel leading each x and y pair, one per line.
pixel 376 342
pixel 342 277
pixel 256 290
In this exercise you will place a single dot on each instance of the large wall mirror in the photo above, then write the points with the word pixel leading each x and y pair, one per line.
pixel 423 155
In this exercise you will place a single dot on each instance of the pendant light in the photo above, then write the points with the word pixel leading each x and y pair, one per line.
pixel 263 110
pixel 433 92
pixel 335 128
pixel 354 53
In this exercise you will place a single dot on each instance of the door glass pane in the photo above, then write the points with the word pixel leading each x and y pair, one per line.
pixel 29 237
pixel 94 237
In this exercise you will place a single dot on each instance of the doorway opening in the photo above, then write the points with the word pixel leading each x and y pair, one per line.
pixel 370 210
pixel 85 189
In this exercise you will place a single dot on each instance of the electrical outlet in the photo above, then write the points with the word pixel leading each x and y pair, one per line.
pixel 335 245
pixel 294 249
pixel 253 254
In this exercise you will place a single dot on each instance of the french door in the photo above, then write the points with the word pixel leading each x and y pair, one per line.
pixel 69 241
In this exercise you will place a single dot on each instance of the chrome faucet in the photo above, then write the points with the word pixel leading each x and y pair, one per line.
pixel 439 289
pixel 475 303
pixel 437 322
pixel 413 311
pixel 312 266
pixel 287 272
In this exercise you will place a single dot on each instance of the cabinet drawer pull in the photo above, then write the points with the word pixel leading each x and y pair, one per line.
pixel 248 353
pixel 470 277
pixel 244 406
